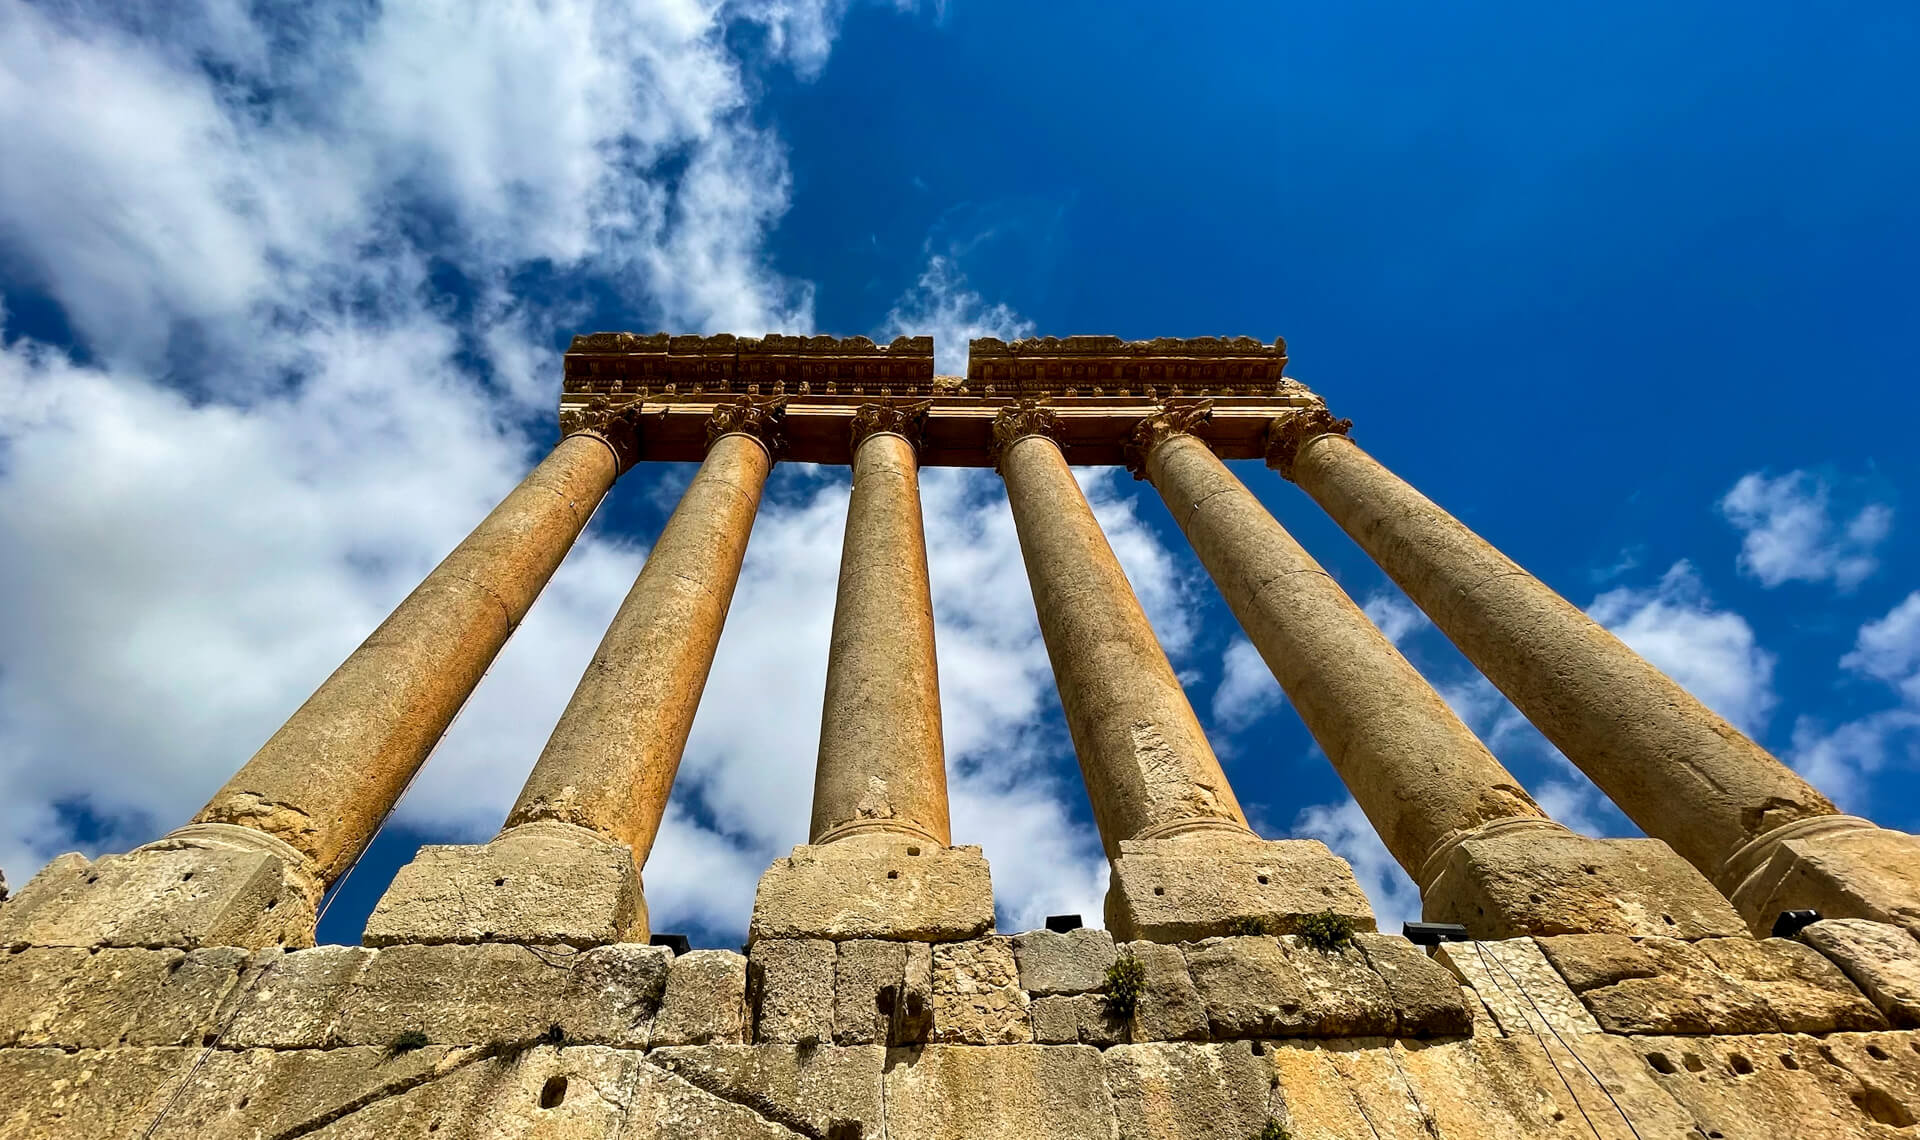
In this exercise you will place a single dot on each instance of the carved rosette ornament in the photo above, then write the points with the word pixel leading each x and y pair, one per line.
pixel 618 428
pixel 764 420
pixel 1155 430
pixel 1290 433
pixel 908 421
pixel 1019 420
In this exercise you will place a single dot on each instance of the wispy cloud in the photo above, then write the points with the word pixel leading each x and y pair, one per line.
pixel 1792 533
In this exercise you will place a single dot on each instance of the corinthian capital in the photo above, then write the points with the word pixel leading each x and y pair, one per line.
pixel 907 421
pixel 1290 433
pixel 1019 420
pixel 764 420
pixel 1172 420
pixel 618 428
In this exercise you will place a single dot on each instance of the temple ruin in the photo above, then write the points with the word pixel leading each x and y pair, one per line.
pixel 1751 969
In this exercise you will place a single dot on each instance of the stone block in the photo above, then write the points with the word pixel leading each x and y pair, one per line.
pixel 1182 1091
pixel 1841 866
pixel 296 999
pixel 1884 1066
pixel 867 978
pixel 1880 958
pixel 539 883
pixel 1426 997
pixel 875 886
pixel 790 990
pixel 1523 993
pixel 913 1015
pixel 1687 995
pixel 257 1093
pixel 822 1092
pixel 205 885
pixel 1197 885
pixel 977 999
pixel 1086 1019
pixel 705 1001
pixel 1009 1092
pixel 1170 1007
pixel 1589 961
pixel 496 994
pixel 1768 1085
pixel 31 984
pixel 125 996
pixel 1273 987
pixel 1075 962
pixel 1804 992
pixel 1546 882
pixel 1513 1087
pixel 51 1093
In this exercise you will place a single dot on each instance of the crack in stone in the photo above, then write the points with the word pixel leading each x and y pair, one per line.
pixel 768 1112
pixel 404 1085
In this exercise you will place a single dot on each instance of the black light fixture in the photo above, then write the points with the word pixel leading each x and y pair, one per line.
pixel 1792 922
pixel 1433 933
pixel 675 942
pixel 1062 923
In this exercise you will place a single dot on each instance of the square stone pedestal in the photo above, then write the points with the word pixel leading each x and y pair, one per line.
pixel 1547 880
pixel 539 883
pixel 1841 866
pixel 1196 885
pixel 875 886
pixel 208 884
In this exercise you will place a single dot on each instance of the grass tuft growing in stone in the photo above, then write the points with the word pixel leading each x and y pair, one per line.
pixel 1126 980
pixel 406 1043
pixel 1273 1131
pixel 1248 925
pixel 1326 930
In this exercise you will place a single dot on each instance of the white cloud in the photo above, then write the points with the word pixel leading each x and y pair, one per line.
pixel 1791 533
pixel 1843 760
pixel 942 305
pixel 1247 690
pixel 1711 652
pixel 1888 649
pixel 1344 827
pixel 1395 616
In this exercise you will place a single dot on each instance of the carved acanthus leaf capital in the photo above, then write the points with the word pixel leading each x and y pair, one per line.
pixel 618 428
pixel 908 421
pixel 1174 419
pixel 1019 420
pixel 1290 433
pixel 764 420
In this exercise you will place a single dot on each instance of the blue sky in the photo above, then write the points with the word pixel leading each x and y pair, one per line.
pixel 1629 289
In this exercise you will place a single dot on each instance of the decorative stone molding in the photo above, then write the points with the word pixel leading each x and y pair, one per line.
pixel 762 419
pixel 1019 420
pixel 1290 433
pixel 1108 365
pixel 1156 430
pixel 618 428
pixel 626 364
pixel 908 421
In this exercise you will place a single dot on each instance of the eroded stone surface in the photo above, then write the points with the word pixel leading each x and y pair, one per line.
pixel 825 1093
pixel 1169 1008
pixel 877 886
pixel 1426 996
pixel 1880 958
pixel 31 983
pixel 1524 994
pixel 1864 872
pixel 126 996
pixel 977 998
pixel 705 1002
pixel 1175 1090
pixel 867 980
pixel 790 990
pixel 1012 1092
pixel 1071 963
pixel 1196 885
pixel 1803 991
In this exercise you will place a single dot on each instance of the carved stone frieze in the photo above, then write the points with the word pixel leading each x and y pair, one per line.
pixel 617 427
pixel 614 364
pixel 1108 365
pixel 908 421
pixel 1021 419
pixel 1155 430
pixel 1289 433
pixel 761 419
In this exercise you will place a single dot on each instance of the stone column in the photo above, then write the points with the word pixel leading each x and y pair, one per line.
pixel 1679 771
pixel 251 867
pixel 1481 851
pixel 879 864
pixel 566 868
pixel 1185 863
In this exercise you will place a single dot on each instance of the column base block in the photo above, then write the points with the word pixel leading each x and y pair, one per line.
pixel 1841 866
pixel 203 885
pixel 875 886
pixel 538 883
pixel 1217 882
pixel 1547 880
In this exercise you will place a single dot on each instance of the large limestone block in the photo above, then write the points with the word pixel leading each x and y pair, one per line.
pixel 1524 994
pixel 977 999
pixel 790 990
pixel 1176 1090
pixel 1426 996
pixel 1882 959
pixel 49 1093
pixel 1804 992
pixel 1274 987
pixel 145 997
pixel 31 984
pixel 913 1015
pixel 495 994
pixel 295 999
pixel 1681 992
pixel 867 978
pixel 1197 885
pixel 825 1092
pixel 1579 1088
pixel 206 885
pixel 1769 1086
pixel 705 1001
pixel 1085 1019
pixel 1074 962
pixel 254 1093
pixel 1008 1092
pixel 1341 1089
pixel 1886 1065
pixel 1538 882
pixel 539 883
pixel 1169 1008
pixel 1846 872
pixel 875 886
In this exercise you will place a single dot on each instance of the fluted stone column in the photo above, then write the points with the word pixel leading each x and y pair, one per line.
pixel 566 868
pixel 251 867
pixel 1185 863
pixel 1482 852
pixel 880 864
pixel 1678 770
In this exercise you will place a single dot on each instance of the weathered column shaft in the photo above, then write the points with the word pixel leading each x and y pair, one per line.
pixel 327 778
pixel 1672 765
pixel 882 766
pixel 1148 767
pixel 610 763
pixel 1420 775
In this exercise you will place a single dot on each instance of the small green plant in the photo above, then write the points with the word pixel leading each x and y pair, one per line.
pixel 1126 980
pixel 406 1043
pixel 1326 930
pixel 1248 925
pixel 1273 1131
